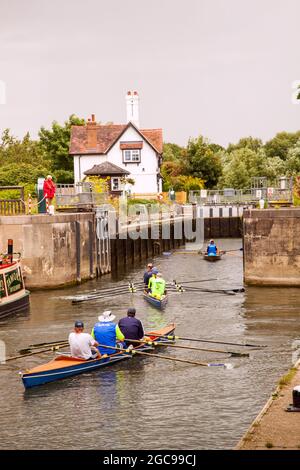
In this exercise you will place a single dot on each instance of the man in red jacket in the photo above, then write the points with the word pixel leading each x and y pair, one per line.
pixel 49 189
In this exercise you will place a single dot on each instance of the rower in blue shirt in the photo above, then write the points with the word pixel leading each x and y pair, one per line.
pixel 212 249
pixel 131 327
pixel 148 274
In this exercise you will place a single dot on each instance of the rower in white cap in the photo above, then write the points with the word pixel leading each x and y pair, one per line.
pixel 107 333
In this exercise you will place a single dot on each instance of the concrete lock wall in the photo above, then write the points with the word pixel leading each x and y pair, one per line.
pixel 272 247
pixel 63 249
pixel 56 250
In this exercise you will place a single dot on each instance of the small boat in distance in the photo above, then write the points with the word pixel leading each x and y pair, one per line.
pixel 65 366
pixel 158 303
pixel 13 295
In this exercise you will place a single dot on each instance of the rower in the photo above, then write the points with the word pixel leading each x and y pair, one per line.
pixel 152 279
pixel 108 333
pixel 148 274
pixel 131 327
pixel 82 345
pixel 212 249
pixel 158 287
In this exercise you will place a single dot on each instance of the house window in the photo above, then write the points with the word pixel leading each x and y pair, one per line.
pixel 115 184
pixel 131 156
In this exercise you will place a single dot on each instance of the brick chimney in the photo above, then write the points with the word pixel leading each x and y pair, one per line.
pixel 92 133
pixel 132 107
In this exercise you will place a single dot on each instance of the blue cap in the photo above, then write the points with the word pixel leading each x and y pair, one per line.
pixel 79 324
pixel 154 271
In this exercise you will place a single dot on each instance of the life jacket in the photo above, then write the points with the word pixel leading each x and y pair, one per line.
pixel 105 333
pixel 158 287
pixel 151 282
pixel 211 250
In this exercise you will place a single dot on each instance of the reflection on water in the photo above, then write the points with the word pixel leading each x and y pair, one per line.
pixel 168 405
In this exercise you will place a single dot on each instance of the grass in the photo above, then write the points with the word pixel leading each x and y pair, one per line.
pixel 287 378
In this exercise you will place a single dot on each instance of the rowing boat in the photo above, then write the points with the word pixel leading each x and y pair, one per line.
pixel 158 303
pixel 212 258
pixel 64 366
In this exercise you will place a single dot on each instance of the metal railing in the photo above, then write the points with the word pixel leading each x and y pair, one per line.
pixel 14 205
pixel 78 195
pixel 240 196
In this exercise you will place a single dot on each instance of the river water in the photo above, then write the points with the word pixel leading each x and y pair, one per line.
pixel 152 403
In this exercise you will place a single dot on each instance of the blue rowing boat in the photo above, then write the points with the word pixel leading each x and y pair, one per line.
pixel 161 304
pixel 65 366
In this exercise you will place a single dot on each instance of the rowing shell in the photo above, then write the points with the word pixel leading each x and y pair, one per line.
pixel 65 366
pixel 161 304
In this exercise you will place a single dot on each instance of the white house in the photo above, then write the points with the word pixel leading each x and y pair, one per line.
pixel 130 151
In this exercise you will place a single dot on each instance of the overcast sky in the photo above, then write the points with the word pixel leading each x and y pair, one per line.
pixel 222 68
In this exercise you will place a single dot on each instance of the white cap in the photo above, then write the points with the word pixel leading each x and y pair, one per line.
pixel 106 316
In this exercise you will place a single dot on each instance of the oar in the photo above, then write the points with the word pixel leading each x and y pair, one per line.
pixel 100 296
pixel 217 291
pixel 53 348
pixel 190 289
pixel 194 281
pixel 169 358
pixel 171 345
pixel 186 361
pixel 230 251
pixel 172 338
pixel 31 347
pixel 46 344
pixel 235 290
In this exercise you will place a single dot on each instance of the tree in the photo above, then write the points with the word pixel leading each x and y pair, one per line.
pixel 203 162
pixel 183 183
pixel 55 142
pixel 15 174
pixel 173 152
pixel 293 160
pixel 251 143
pixel 241 165
pixel 13 150
pixel 281 143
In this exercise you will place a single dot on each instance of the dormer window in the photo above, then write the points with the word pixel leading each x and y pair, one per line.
pixel 132 156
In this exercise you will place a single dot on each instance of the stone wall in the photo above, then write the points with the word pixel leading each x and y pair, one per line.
pixel 61 249
pixel 272 247
pixel 56 250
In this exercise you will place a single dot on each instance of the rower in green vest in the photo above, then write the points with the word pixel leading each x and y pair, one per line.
pixel 158 287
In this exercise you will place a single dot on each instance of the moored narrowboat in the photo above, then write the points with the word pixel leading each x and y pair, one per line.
pixel 13 295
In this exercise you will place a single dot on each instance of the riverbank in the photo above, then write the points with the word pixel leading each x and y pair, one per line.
pixel 275 428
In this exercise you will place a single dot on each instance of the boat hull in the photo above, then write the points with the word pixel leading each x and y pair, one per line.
pixel 63 366
pixel 15 306
pixel 161 304
pixel 212 258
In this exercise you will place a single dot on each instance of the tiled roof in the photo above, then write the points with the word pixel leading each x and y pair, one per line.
pixel 106 169
pixel 107 135
pixel 155 137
